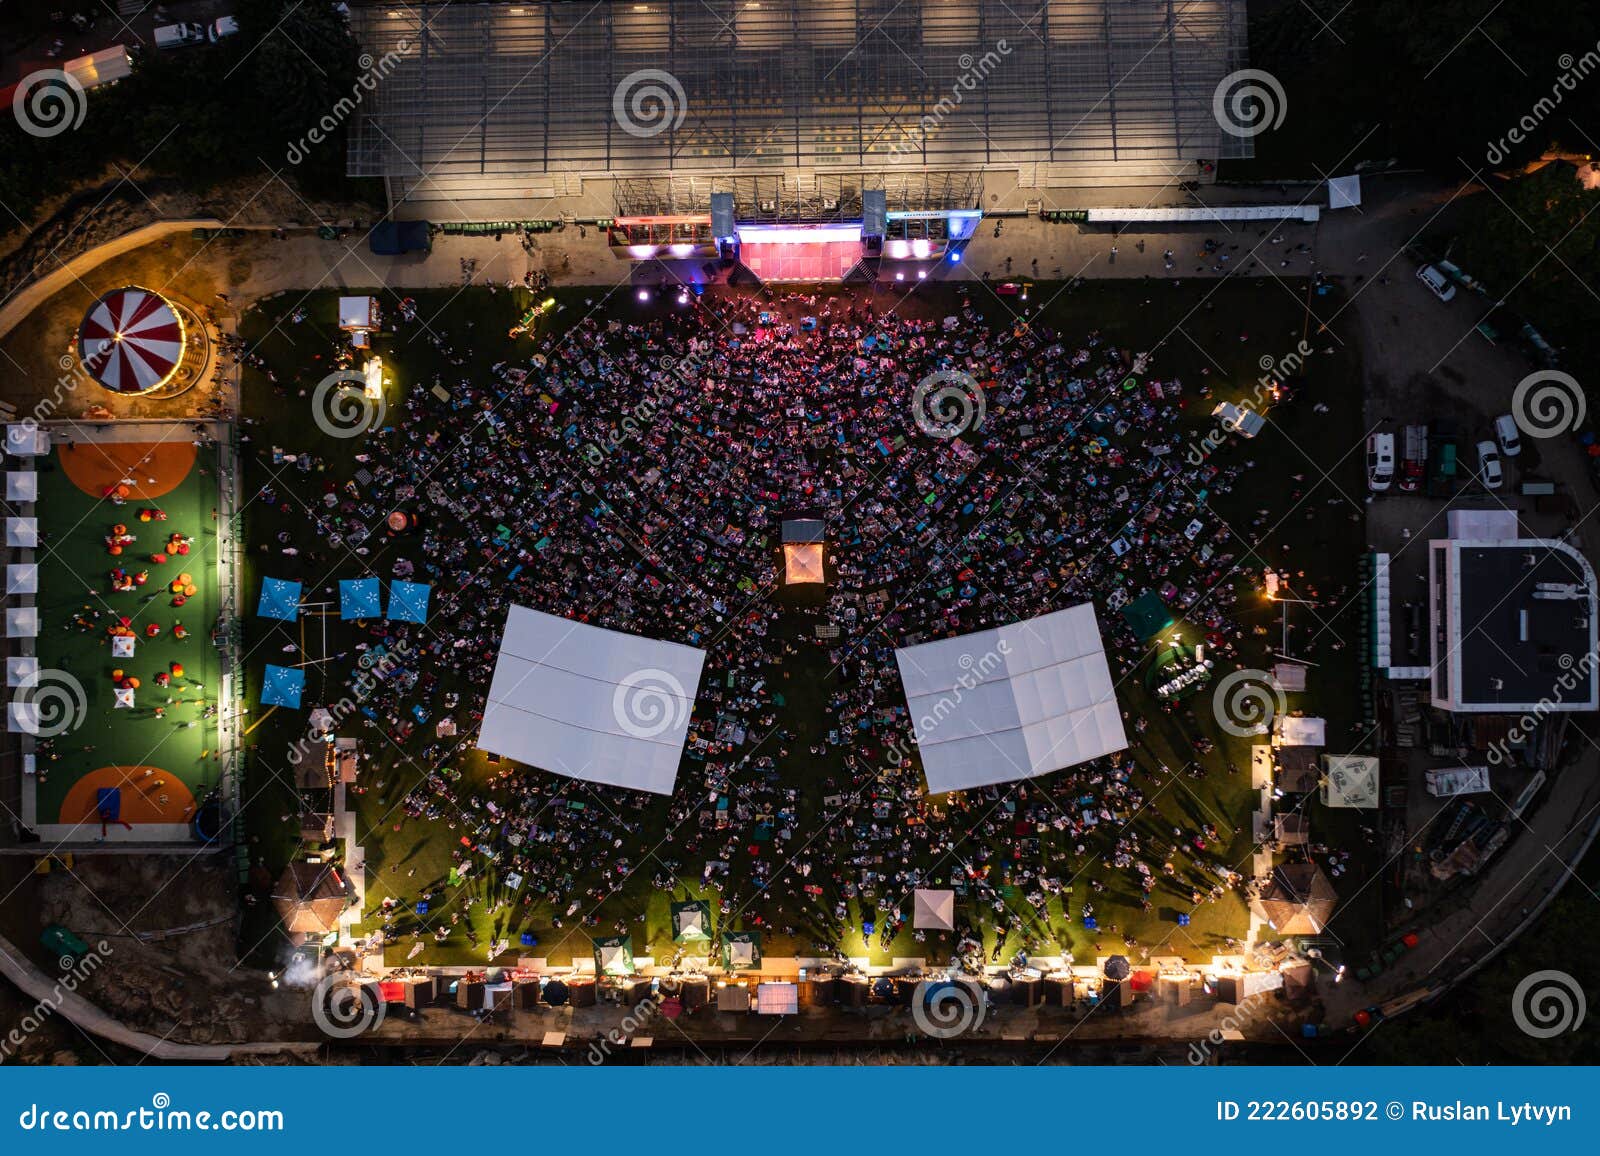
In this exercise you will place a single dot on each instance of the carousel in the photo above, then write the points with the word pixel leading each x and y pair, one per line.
pixel 135 341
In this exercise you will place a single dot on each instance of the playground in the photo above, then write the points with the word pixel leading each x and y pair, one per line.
pixel 128 598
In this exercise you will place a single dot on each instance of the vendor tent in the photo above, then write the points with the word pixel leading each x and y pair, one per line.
pixel 1147 615
pixel 933 910
pixel 613 955
pixel 1013 702
pixel 22 533
pixel 283 686
pixel 122 646
pixel 589 703
pixel 408 601
pixel 691 921
pixel 22 622
pixel 360 598
pixel 1299 731
pixel 22 717
pixel 22 578
pixel 1350 781
pixel 22 670
pixel 1298 899
pixel 741 950
pixel 27 440
pixel 122 698
pixel 777 999
pixel 22 486
pixel 802 563
pixel 280 599
pixel 309 898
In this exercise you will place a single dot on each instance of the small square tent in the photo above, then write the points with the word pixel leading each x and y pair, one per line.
pixel 22 486
pixel 26 440
pixel 1147 615
pixel 22 622
pixel 691 922
pixel 22 670
pixel 22 578
pixel 613 955
pixel 1298 899
pixel 1350 781
pixel 1299 731
pixel 933 910
pixel 22 717
pixel 741 950
pixel 310 898
pixel 22 533
pixel 802 564
pixel 777 999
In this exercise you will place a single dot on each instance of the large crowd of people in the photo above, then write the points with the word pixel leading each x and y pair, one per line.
pixel 634 474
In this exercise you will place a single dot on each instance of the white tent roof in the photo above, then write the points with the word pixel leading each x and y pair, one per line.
pixel 1352 781
pixel 22 578
pixel 22 622
pixel 1298 731
pixel 777 999
pixel 22 532
pixel 27 441
pixel 933 910
pixel 22 670
pixel 802 563
pixel 1012 703
pixel 22 486
pixel 741 953
pixel 591 704
pixel 22 718
pixel 1344 192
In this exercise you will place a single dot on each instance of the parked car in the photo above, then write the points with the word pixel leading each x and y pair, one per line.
pixel 1489 472
pixel 221 27
pixel 1438 284
pixel 1508 435
pixel 180 35
pixel 1380 461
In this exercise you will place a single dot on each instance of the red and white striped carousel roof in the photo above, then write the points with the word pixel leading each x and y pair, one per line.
pixel 131 340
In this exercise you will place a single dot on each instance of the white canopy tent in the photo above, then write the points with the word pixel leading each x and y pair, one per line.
pixel 741 954
pixel 22 486
pixel 1351 781
pixel 22 718
pixel 933 910
pixel 26 440
pixel 22 622
pixel 22 578
pixel 22 670
pixel 1013 702
pixel 777 999
pixel 1291 730
pixel 22 533
pixel 591 704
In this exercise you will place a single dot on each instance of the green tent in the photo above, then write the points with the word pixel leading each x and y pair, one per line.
pixel 741 950
pixel 1148 615
pixel 613 955
pixel 691 922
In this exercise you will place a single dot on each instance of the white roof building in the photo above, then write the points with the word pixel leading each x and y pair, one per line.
pixel 591 704
pixel 1012 703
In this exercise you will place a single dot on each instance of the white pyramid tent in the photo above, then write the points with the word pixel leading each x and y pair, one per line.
pixel 933 910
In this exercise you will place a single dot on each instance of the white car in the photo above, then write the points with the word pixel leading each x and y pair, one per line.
pixel 1438 284
pixel 1489 472
pixel 1507 434
pixel 222 27
pixel 180 35
pixel 1380 461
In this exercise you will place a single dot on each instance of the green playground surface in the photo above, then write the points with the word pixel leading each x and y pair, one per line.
pixel 77 605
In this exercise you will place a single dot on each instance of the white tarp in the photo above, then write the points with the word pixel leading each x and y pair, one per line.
pixel 1011 703
pixel 933 910
pixel 591 704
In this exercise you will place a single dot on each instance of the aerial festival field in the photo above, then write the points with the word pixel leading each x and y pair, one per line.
pixel 128 564
pixel 797 485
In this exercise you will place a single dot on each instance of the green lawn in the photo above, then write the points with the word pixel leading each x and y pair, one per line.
pixel 73 582
pixel 1201 331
